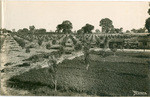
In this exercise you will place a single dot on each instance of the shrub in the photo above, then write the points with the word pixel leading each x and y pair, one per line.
pixel 78 47
pixel 40 42
pixel 53 42
pixel 74 41
pixel 113 48
pixel 61 50
pixel 27 50
pixel 48 46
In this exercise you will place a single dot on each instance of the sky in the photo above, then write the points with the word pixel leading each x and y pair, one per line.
pixel 48 14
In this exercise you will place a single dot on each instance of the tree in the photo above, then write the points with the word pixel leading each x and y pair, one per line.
pixel 141 30
pixel 118 30
pixel 48 45
pixel 121 29
pixel 127 31
pixel 106 45
pixel 148 11
pixel 52 63
pixel 4 30
pixel 147 24
pixel 88 28
pixel 54 42
pixel 40 41
pixel 19 31
pixel 114 48
pixel 86 52
pixel 78 46
pixel 106 25
pixel 113 30
pixel 25 30
pixel 80 31
pixel 32 28
pixel 97 31
pixel 42 30
pixel 27 50
pixel 66 27
pixel 13 30
pixel 9 31
pixel 59 28
pixel 0 30
pixel 134 30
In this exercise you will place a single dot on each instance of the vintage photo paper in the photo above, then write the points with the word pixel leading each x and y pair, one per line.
pixel 75 48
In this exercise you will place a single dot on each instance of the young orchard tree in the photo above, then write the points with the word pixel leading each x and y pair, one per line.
pixel 40 41
pixel 27 50
pixel 106 45
pixel 52 63
pixel 86 55
pixel 114 48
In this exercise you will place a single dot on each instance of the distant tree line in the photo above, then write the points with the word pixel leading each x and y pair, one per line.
pixel 66 27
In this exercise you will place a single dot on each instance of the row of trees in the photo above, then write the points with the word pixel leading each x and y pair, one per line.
pixel 4 31
pixel 106 24
pixel 66 27
pixel 31 30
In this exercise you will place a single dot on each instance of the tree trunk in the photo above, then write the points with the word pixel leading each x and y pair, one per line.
pixel 55 85
pixel 87 67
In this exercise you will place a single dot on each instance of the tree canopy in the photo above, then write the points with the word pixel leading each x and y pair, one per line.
pixel 147 24
pixel 88 28
pixel 65 27
pixel 32 27
pixel 106 25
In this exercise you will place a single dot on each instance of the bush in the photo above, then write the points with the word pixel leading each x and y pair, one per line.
pixel 78 47
pixel 48 46
pixel 40 42
pixel 61 50
pixel 74 41
pixel 53 42
pixel 27 50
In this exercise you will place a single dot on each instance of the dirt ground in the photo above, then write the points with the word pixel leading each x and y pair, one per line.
pixel 12 55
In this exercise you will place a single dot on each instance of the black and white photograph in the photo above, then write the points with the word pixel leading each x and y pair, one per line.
pixel 74 48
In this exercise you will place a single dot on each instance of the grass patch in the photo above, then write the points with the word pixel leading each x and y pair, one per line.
pixel 103 78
